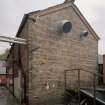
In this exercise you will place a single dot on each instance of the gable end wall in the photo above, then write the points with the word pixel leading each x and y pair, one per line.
pixel 51 53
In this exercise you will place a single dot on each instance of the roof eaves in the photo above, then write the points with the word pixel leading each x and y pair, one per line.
pixel 25 17
pixel 50 9
pixel 85 22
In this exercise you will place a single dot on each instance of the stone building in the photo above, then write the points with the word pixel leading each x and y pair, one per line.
pixel 104 69
pixel 100 69
pixel 59 38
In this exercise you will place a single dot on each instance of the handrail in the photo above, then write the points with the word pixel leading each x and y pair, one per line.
pixel 13 40
pixel 85 71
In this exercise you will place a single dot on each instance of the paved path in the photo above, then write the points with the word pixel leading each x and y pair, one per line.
pixel 3 96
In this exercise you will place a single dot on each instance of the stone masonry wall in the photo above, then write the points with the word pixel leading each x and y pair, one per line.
pixel 51 53
pixel 104 69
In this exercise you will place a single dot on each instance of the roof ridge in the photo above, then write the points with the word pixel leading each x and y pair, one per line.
pixel 84 20
pixel 58 6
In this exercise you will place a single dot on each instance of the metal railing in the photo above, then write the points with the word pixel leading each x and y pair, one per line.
pixel 79 80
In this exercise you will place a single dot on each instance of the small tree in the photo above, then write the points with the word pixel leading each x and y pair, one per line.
pixel 4 55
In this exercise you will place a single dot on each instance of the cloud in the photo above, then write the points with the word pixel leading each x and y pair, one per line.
pixel 32 5
pixel 94 11
pixel 12 11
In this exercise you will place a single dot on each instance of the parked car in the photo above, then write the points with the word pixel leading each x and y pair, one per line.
pixel 3 80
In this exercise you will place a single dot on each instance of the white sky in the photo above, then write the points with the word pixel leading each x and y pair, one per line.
pixel 12 11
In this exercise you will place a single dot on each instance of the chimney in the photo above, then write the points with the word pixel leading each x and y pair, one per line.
pixel 70 1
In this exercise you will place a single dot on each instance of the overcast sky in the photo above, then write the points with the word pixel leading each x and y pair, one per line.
pixel 12 11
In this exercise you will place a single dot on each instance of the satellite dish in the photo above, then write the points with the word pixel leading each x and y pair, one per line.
pixel 65 26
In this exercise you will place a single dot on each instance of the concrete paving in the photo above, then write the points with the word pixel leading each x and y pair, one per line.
pixel 3 95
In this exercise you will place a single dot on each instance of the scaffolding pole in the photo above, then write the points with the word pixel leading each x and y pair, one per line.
pixel 13 40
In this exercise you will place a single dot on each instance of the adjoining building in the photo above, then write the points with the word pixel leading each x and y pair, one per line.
pixel 103 69
pixel 59 38
pixel 100 69
pixel 3 79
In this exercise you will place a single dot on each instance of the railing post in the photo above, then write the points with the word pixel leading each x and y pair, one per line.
pixel 94 83
pixel 65 80
pixel 79 86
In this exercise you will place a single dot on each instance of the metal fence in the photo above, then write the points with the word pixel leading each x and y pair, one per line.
pixel 82 86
